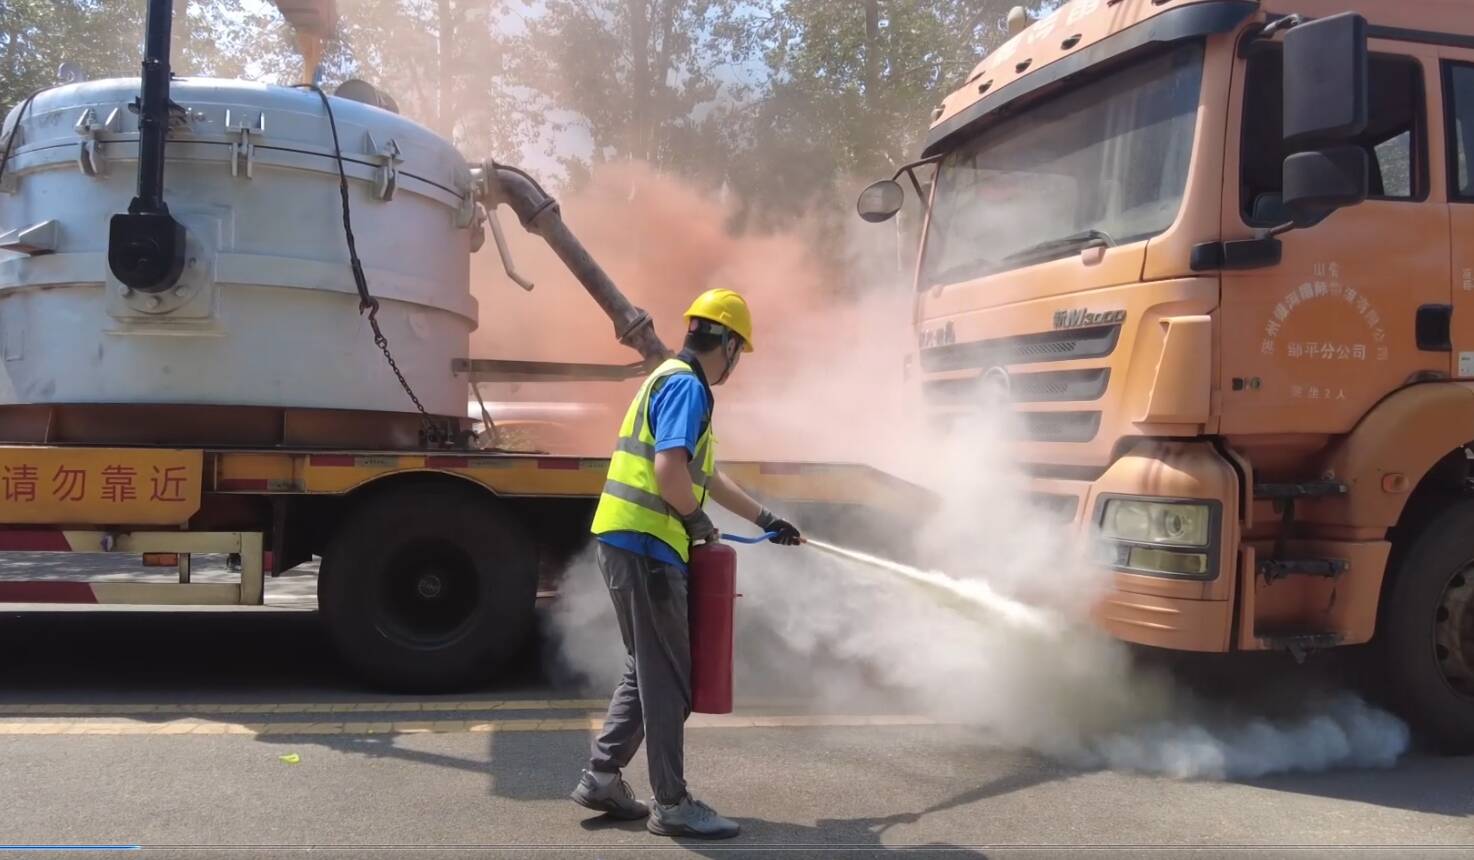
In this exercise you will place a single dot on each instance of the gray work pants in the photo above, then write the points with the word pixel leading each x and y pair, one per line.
pixel 653 698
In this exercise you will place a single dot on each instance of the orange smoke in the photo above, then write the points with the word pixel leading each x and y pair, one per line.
pixel 824 382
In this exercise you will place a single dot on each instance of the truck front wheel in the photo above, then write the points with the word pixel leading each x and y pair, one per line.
pixel 428 588
pixel 1428 631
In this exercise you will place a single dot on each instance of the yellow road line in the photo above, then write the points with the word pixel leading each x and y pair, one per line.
pixel 407 707
pixel 195 726
pixel 70 709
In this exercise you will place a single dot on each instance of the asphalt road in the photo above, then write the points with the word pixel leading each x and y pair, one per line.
pixel 168 730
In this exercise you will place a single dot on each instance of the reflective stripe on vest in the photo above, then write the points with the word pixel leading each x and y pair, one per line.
pixel 631 500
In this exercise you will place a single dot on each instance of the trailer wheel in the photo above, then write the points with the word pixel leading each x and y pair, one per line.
pixel 1427 639
pixel 428 588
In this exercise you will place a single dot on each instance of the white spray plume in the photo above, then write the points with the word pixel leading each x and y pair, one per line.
pixel 1008 648
pixel 833 635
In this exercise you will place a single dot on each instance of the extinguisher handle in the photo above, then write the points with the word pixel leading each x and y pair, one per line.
pixel 741 539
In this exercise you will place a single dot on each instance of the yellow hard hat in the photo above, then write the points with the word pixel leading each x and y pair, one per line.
pixel 728 308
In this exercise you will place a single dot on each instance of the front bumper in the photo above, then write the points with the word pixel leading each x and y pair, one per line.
pixel 1162 610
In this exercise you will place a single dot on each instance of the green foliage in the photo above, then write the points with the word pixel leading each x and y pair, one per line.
pixel 105 38
pixel 787 102
pixel 640 79
pixel 875 69
pixel 853 85
pixel 441 60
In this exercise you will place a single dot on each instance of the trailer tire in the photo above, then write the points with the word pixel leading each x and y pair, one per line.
pixel 428 588
pixel 1427 637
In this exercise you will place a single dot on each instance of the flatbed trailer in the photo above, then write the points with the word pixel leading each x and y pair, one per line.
pixel 431 559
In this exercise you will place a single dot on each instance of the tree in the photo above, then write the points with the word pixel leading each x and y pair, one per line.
pixel 876 68
pixel 439 59
pixel 105 38
pixel 781 101
pixel 636 79
pixel 853 84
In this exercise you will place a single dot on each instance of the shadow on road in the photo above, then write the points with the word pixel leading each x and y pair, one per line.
pixel 860 836
pixel 125 657
pixel 114 656
pixel 853 836
pixel 187 656
pixel 537 765
pixel 383 746
pixel 119 657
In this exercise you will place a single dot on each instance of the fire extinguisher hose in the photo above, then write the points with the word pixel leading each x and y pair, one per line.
pixel 741 539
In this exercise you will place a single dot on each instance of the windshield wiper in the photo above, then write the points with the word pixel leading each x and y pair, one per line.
pixel 1044 250
pixel 964 272
pixel 1075 241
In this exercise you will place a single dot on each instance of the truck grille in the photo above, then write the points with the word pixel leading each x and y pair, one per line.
pixel 1059 426
pixel 1051 387
pixel 1023 349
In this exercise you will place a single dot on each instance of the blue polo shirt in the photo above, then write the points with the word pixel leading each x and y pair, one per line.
pixel 678 410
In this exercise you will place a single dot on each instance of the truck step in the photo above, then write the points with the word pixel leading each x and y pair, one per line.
pixel 1275 569
pixel 1298 643
pixel 1304 490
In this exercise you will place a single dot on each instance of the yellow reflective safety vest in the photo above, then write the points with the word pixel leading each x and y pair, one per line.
pixel 631 500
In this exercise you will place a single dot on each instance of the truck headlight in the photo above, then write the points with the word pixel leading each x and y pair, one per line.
pixel 1166 523
pixel 1166 537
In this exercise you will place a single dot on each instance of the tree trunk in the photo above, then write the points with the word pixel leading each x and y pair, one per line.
pixel 872 50
pixel 640 87
pixel 179 40
pixel 659 112
pixel 443 106
pixel 12 51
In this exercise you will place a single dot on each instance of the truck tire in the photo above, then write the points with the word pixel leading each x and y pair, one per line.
pixel 1427 637
pixel 428 588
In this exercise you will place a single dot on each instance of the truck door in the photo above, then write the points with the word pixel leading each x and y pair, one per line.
pixel 1458 96
pixel 1313 342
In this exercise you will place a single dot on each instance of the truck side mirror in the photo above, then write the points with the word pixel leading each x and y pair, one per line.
pixel 1325 80
pixel 880 201
pixel 1325 111
pixel 1318 182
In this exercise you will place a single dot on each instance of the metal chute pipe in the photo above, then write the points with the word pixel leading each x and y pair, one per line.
pixel 539 214
pixel 153 112
pixel 146 246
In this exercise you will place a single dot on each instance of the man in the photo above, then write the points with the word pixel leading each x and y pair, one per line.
pixel 660 475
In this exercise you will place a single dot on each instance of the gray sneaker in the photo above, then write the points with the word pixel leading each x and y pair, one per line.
pixel 614 799
pixel 690 817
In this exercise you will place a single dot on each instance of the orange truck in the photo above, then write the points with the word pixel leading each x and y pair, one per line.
pixel 1214 254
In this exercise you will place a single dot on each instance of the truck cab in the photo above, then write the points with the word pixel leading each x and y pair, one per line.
pixel 1219 258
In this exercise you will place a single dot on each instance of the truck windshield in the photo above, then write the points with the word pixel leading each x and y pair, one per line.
pixel 1105 163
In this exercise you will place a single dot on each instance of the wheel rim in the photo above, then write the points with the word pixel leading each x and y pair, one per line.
pixel 428 593
pixel 1453 643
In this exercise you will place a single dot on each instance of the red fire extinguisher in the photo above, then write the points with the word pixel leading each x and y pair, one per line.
pixel 711 604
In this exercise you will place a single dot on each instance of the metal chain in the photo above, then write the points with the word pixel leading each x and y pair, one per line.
pixel 382 343
pixel 366 302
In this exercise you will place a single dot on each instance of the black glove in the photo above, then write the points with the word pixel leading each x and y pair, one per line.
pixel 699 527
pixel 786 532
